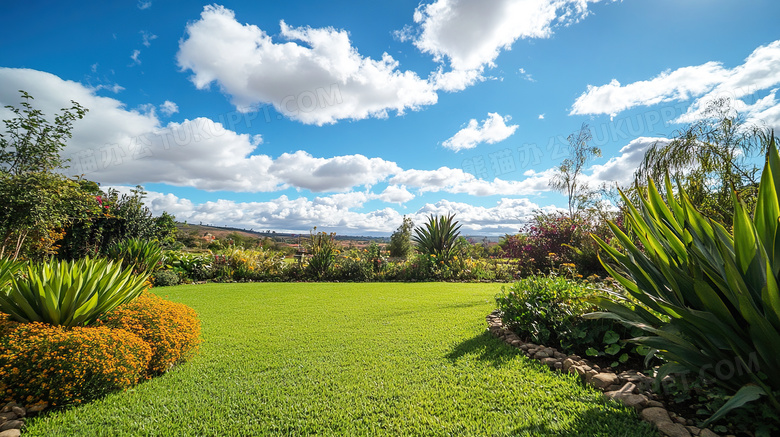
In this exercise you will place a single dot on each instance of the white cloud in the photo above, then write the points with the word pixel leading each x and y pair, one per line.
pixel 492 130
pixel 336 214
pixel 396 194
pixel 169 108
pixel 620 169
pixel 469 35
pixel 321 80
pixel 114 88
pixel 339 173
pixel 147 38
pixel 541 117
pixel 457 181
pixel 526 75
pixel 136 57
pixel 706 82
pixel 144 4
pixel 114 145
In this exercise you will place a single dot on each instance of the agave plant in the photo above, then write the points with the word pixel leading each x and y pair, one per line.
pixel 8 268
pixel 143 256
pixel 438 236
pixel 716 293
pixel 69 293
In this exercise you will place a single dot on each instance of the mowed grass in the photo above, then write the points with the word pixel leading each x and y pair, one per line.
pixel 348 359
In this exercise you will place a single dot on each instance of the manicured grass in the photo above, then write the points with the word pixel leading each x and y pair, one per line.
pixel 348 359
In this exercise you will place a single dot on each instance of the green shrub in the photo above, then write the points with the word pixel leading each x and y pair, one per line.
pixel 718 292
pixel 166 278
pixel 548 310
pixel 543 308
pixel 69 293
pixel 142 256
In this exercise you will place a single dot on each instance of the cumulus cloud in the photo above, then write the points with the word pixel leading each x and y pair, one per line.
pixel 316 76
pixel 340 173
pixel 704 83
pixel 492 130
pixel 469 36
pixel 337 213
pixel 395 194
pixel 457 181
pixel 620 169
pixel 114 145
pixel 169 108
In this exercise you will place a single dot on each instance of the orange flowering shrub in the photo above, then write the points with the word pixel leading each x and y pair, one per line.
pixel 171 329
pixel 45 363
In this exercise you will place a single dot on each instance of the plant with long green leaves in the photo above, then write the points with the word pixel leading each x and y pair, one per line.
pixel 322 247
pixel 717 293
pixel 8 268
pixel 438 237
pixel 142 256
pixel 69 293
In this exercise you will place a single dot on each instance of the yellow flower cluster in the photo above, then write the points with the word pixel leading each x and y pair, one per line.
pixel 171 329
pixel 45 363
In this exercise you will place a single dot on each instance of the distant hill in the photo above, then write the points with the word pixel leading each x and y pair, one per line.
pixel 221 232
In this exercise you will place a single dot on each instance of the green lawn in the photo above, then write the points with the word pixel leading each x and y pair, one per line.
pixel 348 359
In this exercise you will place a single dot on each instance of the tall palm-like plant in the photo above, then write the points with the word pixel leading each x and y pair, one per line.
pixel 717 292
pixel 438 236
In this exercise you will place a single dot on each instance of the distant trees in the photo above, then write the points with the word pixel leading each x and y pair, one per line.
pixel 401 240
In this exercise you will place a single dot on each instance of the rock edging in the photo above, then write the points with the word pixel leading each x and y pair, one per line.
pixel 632 389
pixel 13 416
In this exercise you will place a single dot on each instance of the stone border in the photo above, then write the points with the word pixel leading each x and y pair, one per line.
pixel 12 417
pixel 631 388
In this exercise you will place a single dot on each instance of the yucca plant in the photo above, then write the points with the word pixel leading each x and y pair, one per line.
pixel 717 293
pixel 143 256
pixel 438 236
pixel 69 293
pixel 322 247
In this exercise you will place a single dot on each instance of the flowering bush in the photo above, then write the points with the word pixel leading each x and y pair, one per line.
pixel 57 365
pixel 171 329
pixel 554 239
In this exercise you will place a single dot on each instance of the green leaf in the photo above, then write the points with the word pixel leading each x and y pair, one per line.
pixel 623 358
pixel 591 352
pixel 747 393
pixel 611 337
pixel 612 349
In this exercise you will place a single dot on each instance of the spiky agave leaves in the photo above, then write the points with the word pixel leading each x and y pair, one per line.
pixel 717 293
pixel 70 293
pixel 438 236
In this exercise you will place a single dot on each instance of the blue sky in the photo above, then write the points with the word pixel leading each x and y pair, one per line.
pixel 349 115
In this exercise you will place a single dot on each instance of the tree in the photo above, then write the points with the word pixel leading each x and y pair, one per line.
pixel 35 202
pixel 567 179
pixel 711 157
pixel 401 241
pixel 31 143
